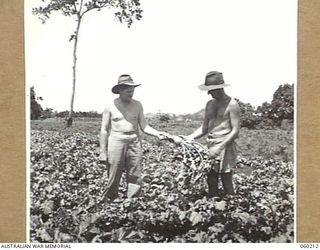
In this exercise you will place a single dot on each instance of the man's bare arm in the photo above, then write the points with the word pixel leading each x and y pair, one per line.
pixel 105 127
pixel 145 127
pixel 203 130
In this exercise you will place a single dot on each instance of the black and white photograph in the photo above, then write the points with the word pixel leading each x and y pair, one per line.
pixel 161 121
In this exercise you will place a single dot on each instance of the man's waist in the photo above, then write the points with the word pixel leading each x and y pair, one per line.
pixel 217 138
pixel 219 134
pixel 125 132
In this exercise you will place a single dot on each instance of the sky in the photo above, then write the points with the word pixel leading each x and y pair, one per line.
pixel 169 52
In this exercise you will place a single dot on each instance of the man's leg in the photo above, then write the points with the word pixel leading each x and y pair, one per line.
pixel 116 159
pixel 213 180
pixel 134 168
pixel 229 161
pixel 227 183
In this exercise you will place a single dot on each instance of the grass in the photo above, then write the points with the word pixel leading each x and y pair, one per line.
pixel 276 144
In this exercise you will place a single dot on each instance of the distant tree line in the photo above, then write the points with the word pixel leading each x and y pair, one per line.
pixel 78 114
pixel 49 113
pixel 37 112
pixel 278 113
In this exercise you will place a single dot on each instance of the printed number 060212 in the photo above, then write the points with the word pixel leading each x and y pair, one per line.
pixel 309 245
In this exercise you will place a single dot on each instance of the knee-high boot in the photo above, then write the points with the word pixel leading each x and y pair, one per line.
pixel 227 183
pixel 213 180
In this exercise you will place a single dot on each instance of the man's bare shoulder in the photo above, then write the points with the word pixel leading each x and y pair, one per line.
pixel 136 103
pixel 209 104
pixel 233 102
pixel 234 105
pixel 108 106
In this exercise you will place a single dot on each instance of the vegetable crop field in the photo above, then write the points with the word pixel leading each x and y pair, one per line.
pixel 67 180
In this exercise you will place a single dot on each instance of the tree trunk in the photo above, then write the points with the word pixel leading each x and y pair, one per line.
pixel 74 68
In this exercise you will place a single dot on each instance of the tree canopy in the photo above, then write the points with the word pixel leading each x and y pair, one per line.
pixel 126 11
pixel 35 107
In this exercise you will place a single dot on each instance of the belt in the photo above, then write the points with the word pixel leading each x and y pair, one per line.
pixel 130 132
pixel 126 133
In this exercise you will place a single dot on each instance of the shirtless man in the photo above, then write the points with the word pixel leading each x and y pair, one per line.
pixel 120 143
pixel 222 122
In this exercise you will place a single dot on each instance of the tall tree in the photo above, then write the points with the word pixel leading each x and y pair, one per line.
pixel 249 117
pixel 36 109
pixel 126 11
pixel 281 107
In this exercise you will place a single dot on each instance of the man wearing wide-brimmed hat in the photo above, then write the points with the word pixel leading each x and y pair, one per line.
pixel 120 143
pixel 222 122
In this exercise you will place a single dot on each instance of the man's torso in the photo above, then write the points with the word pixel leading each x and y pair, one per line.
pixel 218 115
pixel 124 118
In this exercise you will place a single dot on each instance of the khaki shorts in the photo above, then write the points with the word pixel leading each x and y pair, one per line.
pixel 228 156
pixel 124 155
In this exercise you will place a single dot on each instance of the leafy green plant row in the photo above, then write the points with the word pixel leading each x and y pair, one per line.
pixel 67 181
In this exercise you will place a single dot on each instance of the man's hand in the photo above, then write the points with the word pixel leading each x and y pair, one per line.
pixel 103 157
pixel 163 135
pixel 177 139
pixel 215 151
pixel 171 138
pixel 187 137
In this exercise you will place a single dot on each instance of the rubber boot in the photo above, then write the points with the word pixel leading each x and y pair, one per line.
pixel 133 190
pixel 227 183
pixel 213 180
pixel 134 184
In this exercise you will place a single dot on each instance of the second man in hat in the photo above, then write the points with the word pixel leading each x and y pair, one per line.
pixel 120 142
pixel 222 124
